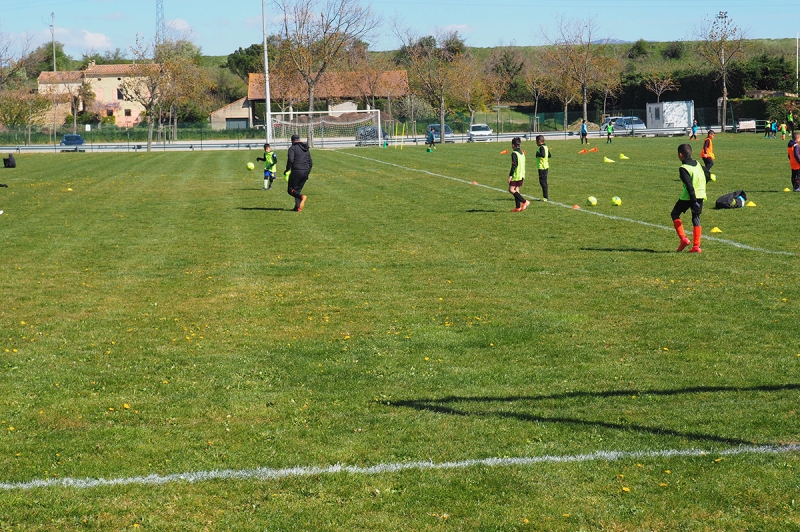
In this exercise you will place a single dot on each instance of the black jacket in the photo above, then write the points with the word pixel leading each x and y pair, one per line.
pixel 299 158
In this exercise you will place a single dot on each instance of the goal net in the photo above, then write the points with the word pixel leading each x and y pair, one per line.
pixel 324 128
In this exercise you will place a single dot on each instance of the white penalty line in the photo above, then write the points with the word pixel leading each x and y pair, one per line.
pixel 263 473
pixel 600 214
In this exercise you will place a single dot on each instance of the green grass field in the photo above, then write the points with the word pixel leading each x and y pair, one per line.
pixel 161 315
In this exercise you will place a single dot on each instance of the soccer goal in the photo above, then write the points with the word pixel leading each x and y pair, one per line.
pixel 336 128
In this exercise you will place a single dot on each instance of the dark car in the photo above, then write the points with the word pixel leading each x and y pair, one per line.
pixel 368 136
pixel 72 140
pixel 437 137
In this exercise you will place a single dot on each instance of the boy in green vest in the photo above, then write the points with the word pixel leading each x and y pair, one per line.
pixel 543 164
pixel 516 176
pixel 694 192
pixel 270 165
pixel 609 132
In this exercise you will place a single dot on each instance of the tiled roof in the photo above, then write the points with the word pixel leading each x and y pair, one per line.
pixel 336 85
pixel 109 70
pixel 60 77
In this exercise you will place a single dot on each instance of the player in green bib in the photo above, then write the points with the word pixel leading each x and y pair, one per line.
pixel 270 166
pixel 516 176
pixel 694 192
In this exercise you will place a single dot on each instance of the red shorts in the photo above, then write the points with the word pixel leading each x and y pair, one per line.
pixel 516 183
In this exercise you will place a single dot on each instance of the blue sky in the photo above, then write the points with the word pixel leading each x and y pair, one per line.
pixel 99 25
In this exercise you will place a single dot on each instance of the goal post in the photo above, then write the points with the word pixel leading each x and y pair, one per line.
pixel 330 128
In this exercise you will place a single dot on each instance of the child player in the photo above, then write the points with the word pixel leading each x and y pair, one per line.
pixel 543 164
pixel 794 160
pixel 694 192
pixel 708 155
pixel 516 176
pixel 270 165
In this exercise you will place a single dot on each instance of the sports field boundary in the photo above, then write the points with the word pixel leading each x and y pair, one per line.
pixel 557 204
pixel 264 473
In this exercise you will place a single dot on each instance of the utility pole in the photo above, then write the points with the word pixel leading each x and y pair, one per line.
pixel 723 16
pixel 53 37
pixel 267 99
pixel 160 26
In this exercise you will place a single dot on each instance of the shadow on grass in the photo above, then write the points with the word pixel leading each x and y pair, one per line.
pixel 262 209
pixel 449 406
pixel 481 210
pixel 627 250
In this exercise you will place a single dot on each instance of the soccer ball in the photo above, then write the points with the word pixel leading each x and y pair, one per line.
pixel 251 166
pixel 591 200
pixel 616 201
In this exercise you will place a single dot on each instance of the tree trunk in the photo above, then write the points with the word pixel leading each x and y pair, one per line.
pixel 310 115
pixel 585 102
pixel 441 119
pixel 149 131
pixel 724 101
pixel 566 109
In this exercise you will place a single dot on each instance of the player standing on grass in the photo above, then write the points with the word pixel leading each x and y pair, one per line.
pixel 794 160
pixel 584 132
pixel 270 166
pixel 516 176
pixel 694 192
pixel 298 167
pixel 708 153
pixel 543 164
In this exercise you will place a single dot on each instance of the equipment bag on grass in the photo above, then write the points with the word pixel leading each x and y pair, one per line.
pixel 734 200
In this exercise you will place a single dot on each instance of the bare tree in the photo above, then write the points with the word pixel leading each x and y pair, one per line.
pixel 148 84
pixel 15 58
pixel 535 79
pixel 316 32
pixel 560 83
pixel 430 61
pixel 658 83
pixel 575 52
pixel 721 42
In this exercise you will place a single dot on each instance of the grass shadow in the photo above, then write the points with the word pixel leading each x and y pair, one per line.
pixel 450 406
pixel 262 209
pixel 627 250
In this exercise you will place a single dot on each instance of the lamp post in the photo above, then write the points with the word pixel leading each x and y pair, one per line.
pixel 267 100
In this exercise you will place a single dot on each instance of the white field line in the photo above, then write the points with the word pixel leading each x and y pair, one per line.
pixel 264 473
pixel 557 204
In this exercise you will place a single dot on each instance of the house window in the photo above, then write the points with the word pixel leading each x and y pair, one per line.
pixel 119 94
pixel 127 112
pixel 109 112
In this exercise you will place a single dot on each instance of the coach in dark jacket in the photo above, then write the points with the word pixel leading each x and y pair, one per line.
pixel 10 162
pixel 298 166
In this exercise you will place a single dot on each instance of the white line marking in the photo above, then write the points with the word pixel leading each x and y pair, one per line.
pixel 602 215
pixel 264 473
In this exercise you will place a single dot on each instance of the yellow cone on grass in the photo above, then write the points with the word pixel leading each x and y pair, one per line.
pixel 716 230
pixel 750 204
pixel 623 157
pixel 607 160
pixel 787 190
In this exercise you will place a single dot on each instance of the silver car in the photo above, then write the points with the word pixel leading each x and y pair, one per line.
pixel 480 133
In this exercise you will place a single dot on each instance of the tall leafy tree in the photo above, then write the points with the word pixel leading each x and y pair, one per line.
pixel 430 62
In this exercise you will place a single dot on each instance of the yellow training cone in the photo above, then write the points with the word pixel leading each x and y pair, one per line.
pixel 750 204
pixel 787 190
pixel 716 230
pixel 607 160
pixel 623 157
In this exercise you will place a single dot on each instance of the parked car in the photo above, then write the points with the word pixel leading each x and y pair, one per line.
pixel 629 124
pixel 448 133
pixel 72 140
pixel 604 125
pixel 368 136
pixel 479 133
